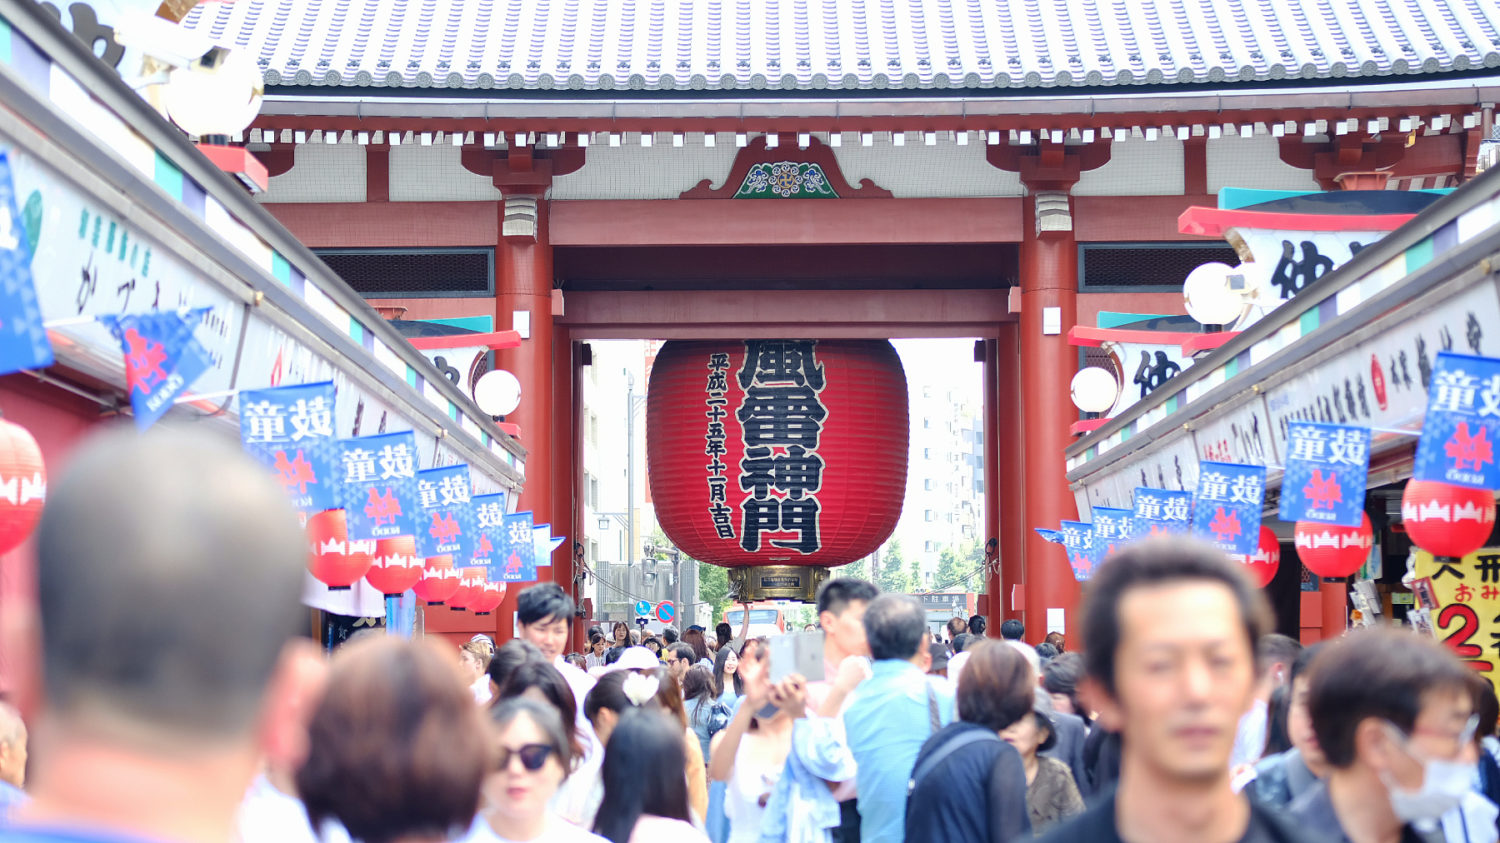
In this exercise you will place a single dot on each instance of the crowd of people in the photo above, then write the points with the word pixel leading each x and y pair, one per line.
pixel 209 717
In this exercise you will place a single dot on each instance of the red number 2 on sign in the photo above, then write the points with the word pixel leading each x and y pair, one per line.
pixel 1458 641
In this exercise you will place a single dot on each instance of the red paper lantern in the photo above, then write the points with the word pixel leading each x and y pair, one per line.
pixel 335 560
pixel 1447 520
pixel 439 581
pixel 23 484
pixel 469 588
pixel 1332 551
pixel 1263 564
pixel 396 567
pixel 489 599
pixel 777 452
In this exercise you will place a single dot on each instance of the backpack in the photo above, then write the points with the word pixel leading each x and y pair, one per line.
pixel 719 716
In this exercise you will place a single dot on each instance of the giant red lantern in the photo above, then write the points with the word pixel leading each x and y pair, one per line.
pixel 439 581
pixel 777 459
pixel 1263 564
pixel 1447 520
pixel 334 559
pixel 489 598
pixel 1329 550
pixel 23 484
pixel 396 566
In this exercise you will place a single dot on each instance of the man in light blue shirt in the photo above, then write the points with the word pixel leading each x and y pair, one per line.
pixel 893 714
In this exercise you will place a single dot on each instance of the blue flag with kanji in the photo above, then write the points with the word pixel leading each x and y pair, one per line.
pixel 23 336
pixel 516 560
pixel 1113 529
pixel 1078 540
pixel 1159 511
pixel 546 543
pixel 290 430
pixel 489 532
pixel 1226 512
pixel 1462 423
pixel 446 520
pixel 1326 469
pixel 378 475
pixel 162 358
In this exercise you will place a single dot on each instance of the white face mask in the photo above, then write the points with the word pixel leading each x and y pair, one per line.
pixel 1444 784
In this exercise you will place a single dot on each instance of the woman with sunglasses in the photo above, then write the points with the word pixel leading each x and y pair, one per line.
pixel 534 757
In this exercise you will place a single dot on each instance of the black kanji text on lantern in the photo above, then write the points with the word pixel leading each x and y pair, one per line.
pixel 781 423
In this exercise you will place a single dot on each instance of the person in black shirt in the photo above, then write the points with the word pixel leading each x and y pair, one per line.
pixel 1170 630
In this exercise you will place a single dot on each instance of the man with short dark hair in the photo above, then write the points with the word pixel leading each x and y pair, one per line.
pixel 680 659
pixel 669 636
pixel 1012 630
pixel 1170 631
pixel 155 544
pixel 1394 718
pixel 544 613
pixel 1277 653
pixel 885 722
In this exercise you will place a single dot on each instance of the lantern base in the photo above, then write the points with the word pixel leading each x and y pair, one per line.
pixel 775 582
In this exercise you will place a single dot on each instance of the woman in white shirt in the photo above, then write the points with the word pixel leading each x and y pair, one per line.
pixel 535 755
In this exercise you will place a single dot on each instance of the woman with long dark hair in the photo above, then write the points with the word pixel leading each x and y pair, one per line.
pixel 726 675
pixel 694 638
pixel 645 789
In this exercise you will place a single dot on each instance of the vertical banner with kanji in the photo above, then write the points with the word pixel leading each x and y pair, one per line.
pixel 517 561
pixel 1326 469
pixel 489 526
pixel 1113 529
pixel 23 336
pixel 544 543
pixel 1226 511
pixel 162 358
pixel 379 475
pixel 1078 540
pixel 1462 422
pixel 290 430
pixel 1463 597
pixel 1158 511
pixel 445 524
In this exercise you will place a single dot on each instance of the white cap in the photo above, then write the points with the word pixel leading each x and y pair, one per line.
pixel 636 658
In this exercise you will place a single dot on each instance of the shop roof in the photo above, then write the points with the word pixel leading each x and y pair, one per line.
pixel 848 45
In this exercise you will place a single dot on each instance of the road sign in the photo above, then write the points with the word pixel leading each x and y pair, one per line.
pixel 643 607
pixel 666 612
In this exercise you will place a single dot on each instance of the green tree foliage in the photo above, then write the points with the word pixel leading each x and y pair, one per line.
pixel 892 575
pixel 713 589
pixel 950 569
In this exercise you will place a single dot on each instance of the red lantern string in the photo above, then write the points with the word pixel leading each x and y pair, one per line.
pixel 396 566
pixel 1263 564
pixel 489 599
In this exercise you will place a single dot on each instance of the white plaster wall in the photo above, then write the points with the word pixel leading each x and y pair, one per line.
pixel 659 171
pixel 1137 167
pixel 1253 162
pixel 917 170
pixel 322 173
pixel 436 174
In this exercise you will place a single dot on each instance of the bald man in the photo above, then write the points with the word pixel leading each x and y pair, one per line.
pixel 184 556
pixel 12 760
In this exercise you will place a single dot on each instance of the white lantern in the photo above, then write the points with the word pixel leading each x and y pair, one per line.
pixel 497 392
pixel 219 95
pixel 1094 389
pixel 1209 296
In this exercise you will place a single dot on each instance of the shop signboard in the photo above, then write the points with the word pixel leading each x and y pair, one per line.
pixel 516 562
pixel 1462 597
pixel 1326 471
pixel 1113 528
pixel 1161 511
pixel 1383 381
pixel 379 478
pixel 289 429
pixel 1078 541
pixel 1238 435
pixel 1462 424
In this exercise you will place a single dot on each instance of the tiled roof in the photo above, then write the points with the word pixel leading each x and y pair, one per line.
pixel 845 45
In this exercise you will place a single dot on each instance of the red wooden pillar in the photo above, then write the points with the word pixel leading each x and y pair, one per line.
pixel 1010 468
pixel 565 456
pixel 1049 307
pixel 523 300
pixel 996 583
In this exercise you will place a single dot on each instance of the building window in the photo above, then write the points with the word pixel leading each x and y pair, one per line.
pixel 594 493
pixel 926 453
pixel 927 515
pixel 927 484
pixel 926 424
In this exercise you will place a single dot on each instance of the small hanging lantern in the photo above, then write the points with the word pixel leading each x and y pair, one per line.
pixel 335 560
pixel 1447 520
pixel 489 599
pixel 23 484
pixel 469 588
pixel 1263 564
pixel 439 581
pixel 1329 550
pixel 396 566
